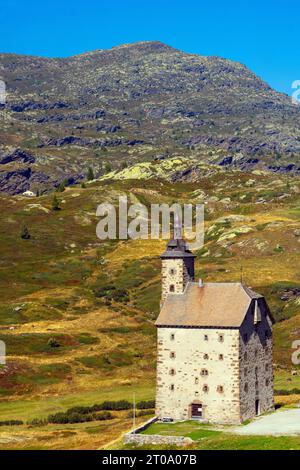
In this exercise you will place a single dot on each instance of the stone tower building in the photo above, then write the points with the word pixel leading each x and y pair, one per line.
pixel 214 346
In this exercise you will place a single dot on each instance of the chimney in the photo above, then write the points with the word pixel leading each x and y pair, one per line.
pixel 201 283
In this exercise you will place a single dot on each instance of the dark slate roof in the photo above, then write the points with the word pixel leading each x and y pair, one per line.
pixel 177 248
pixel 212 305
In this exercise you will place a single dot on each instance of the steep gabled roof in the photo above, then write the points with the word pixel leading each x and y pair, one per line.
pixel 212 305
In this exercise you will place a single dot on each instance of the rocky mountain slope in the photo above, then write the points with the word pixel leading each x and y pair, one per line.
pixel 77 313
pixel 134 103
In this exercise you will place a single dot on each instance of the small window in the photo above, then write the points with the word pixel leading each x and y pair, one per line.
pixel 172 271
pixel 172 336
pixel 172 372
pixel 267 367
pixel 205 337
pixel 256 385
pixel 172 388
pixel 172 288
pixel 256 353
pixel 246 387
pixel 256 372
pixel 196 393
pixel 172 355
pixel 204 372
pixel 220 389
pixel 205 388
pixel 221 357
pixel 196 380
pixel 205 357
pixel 267 382
pixel 221 338
pixel 245 356
pixel 245 372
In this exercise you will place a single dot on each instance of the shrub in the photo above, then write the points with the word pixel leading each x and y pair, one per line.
pixel 90 174
pixel 11 422
pixel 107 168
pixel 113 405
pixel 37 422
pixel 145 405
pixel 53 343
pixel 104 416
pixel 55 203
pixel 111 293
pixel 140 413
pixel 25 235
pixel 75 417
pixel 293 391
pixel 62 186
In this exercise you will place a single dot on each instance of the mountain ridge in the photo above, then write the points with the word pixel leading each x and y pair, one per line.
pixel 137 101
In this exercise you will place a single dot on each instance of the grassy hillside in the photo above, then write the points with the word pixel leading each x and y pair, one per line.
pixel 77 313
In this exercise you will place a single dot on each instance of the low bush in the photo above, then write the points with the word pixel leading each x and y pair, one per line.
pixel 110 292
pixel 293 391
pixel 11 422
pixel 145 405
pixel 75 417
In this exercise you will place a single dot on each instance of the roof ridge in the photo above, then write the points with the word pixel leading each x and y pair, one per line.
pixel 251 293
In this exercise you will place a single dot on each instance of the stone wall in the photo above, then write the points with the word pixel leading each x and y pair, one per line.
pixel 256 365
pixel 134 437
pixel 176 272
pixel 146 439
pixel 183 356
pixel 172 274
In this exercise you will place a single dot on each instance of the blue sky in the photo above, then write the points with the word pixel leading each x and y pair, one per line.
pixel 264 35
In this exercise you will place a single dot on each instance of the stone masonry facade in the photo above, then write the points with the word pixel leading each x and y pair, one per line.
pixel 196 365
pixel 256 368
pixel 229 375
pixel 175 272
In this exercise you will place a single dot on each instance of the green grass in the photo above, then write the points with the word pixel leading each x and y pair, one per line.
pixel 208 438
pixel 38 343
pixel 41 407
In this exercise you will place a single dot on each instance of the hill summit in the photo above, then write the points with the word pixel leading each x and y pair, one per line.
pixel 133 103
